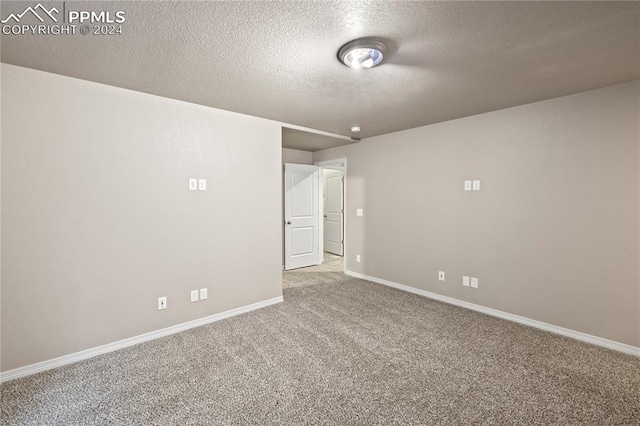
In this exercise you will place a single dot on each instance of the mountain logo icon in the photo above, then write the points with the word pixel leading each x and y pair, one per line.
pixel 34 11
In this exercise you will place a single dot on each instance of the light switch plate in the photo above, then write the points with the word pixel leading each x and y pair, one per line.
pixel 441 275
pixel 476 185
pixel 203 293
pixel 357 258
pixel 474 282
pixel 202 184
pixel 465 281
pixel 467 185
pixel 359 212
pixel 194 295
pixel 193 184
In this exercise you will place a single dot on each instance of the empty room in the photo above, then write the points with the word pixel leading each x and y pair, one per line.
pixel 320 212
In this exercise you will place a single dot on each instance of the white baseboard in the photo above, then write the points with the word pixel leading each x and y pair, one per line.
pixel 628 349
pixel 110 347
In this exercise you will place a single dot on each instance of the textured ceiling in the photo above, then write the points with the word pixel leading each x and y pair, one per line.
pixel 278 59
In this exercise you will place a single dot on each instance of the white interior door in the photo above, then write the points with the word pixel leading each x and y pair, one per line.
pixel 301 215
pixel 333 211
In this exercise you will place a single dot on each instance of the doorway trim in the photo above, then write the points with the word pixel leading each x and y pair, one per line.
pixel 343 162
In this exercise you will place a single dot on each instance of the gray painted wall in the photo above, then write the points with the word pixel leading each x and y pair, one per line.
pixel 98 221
pixel 296 156
pixel 552 235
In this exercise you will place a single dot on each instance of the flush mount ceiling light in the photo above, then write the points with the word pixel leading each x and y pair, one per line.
pixel 362 53
pixel 355 133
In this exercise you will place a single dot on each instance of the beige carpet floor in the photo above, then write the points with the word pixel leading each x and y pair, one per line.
pixel 340 351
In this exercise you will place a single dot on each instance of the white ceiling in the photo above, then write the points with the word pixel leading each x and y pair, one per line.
pixel 278 59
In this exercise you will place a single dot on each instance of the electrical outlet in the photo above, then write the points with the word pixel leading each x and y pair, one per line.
pixel 202 184
pixel 162 303
pixel 193 184
pixel 465 281
pixel 194 296
pixel 474 282
pixel 441 275
pixel 467 185
pixel 476 185
pixel 357 258
pixel 203 293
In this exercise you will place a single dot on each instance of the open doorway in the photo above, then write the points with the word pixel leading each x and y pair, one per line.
pixel 332 206
pixel 332 209
pixel 314 214
pixel 303 235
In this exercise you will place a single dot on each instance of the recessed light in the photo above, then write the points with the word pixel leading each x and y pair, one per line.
pixel 362 53
pixel 355 129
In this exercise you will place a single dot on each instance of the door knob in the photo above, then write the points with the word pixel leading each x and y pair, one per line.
pixel 288 222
